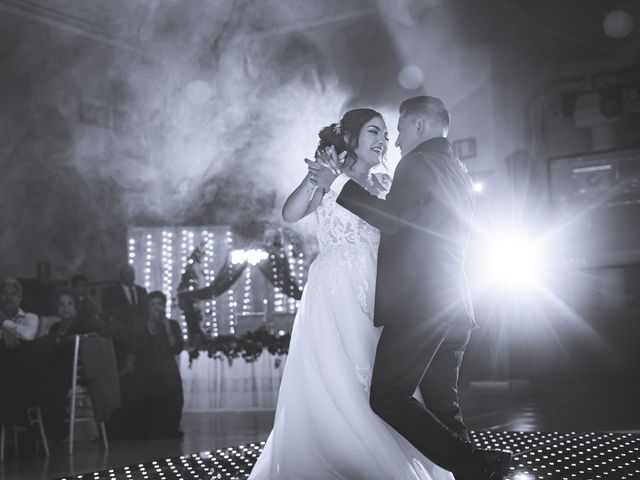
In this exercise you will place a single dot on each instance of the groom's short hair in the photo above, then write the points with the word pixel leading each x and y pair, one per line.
pixel 432 107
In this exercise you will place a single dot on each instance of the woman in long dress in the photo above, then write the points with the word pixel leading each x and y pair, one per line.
pixel 324 427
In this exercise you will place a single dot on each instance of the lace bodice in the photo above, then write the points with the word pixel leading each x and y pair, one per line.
pixel 338 227
pixel 348 252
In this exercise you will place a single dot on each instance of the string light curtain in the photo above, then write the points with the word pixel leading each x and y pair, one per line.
pixel 204 258
pixel 283 277
pixel 160 255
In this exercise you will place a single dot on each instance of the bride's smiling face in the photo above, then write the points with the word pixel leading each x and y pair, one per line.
pixel 372 142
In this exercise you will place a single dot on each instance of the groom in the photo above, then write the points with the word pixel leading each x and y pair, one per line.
pixel 422 299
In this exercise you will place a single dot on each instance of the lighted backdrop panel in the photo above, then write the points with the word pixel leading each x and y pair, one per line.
pixel 160 256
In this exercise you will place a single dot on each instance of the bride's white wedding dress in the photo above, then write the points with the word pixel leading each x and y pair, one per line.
pixel 324 427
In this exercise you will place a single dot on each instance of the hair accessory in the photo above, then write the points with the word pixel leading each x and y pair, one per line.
pixel 336 129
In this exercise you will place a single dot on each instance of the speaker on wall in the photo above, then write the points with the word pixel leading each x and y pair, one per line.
pixel 598 197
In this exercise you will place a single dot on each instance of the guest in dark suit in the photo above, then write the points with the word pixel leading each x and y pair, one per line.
pixel 422 299
pixel 125 306
pixel 159 397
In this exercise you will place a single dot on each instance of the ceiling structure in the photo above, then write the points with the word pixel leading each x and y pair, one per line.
pixel 129 24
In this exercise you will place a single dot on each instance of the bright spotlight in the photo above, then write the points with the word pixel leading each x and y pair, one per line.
pixel 514 261
pixel 253 256
pixel 478 187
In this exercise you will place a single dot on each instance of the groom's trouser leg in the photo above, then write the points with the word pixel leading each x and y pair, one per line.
pixel 439 386
pixel 402 358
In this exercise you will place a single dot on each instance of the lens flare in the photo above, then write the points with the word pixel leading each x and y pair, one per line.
pixel 514 261
pixel 478 187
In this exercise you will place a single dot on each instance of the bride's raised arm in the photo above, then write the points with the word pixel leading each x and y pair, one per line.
pixel 306 198
pixel 302 201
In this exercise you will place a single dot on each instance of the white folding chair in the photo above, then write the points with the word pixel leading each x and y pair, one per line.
pixel 79 399
pixel 34 415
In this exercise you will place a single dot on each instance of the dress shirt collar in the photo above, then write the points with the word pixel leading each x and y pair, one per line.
pixel 438 144
pixel 130 292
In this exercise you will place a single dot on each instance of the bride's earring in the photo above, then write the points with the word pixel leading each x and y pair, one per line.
pixel 341 159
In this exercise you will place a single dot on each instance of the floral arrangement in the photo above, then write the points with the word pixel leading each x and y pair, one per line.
pixel 249 346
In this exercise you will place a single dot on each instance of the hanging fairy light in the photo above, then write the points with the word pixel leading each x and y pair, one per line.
pixel 278 296
pixel 210 305
pixel 183 249
pixel 147 261
pixel 231 299
pixel 190 248
pixel 291 302
pixel 205 269
pixel 246 300
pixel 132 251
pixel 167 268
pixel 206 260
pixel 183 266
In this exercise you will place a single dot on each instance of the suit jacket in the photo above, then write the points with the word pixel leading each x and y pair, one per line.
pixel 126 317
pixel 425 222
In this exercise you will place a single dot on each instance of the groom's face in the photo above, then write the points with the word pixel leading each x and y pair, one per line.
pixel 407 133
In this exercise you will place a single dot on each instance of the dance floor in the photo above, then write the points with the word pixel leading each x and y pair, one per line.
pixel 537 455
pixel 555 432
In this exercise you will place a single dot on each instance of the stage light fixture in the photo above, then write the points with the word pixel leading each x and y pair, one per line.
pixel 514 261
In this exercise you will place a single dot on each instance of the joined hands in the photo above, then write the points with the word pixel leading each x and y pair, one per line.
pixel 325 168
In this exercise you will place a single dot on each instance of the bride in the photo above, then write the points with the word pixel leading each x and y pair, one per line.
pixel 324 427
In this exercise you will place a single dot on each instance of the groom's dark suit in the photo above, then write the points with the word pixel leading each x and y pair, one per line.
pixel 422 298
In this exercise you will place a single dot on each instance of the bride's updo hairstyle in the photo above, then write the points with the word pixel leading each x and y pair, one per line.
pixel 350 126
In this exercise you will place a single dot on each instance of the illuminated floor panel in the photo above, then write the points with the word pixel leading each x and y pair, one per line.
pixel 538 455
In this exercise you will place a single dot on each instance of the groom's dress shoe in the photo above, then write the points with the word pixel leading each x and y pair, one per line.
pixel 500 463
pixel 485 465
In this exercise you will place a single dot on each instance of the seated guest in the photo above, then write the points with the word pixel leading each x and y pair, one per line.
pixel 17 324
pixel 159 398
pixel 71 323
pixel 19 355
